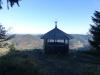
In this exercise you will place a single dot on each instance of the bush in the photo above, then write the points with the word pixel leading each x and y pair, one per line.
pixel 92 52
pixel 17 66
pixel 12 47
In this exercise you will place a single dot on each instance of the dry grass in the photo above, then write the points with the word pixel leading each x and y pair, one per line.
pixel 3 51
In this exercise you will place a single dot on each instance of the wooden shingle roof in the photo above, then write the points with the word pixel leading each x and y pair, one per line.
pixel 56 33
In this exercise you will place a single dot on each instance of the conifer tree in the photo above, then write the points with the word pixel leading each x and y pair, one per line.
pixel 9 3
pixel 3 34
pixel 95 31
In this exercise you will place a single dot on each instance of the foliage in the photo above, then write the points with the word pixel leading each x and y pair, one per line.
pixel 3 33
pixel 95 31
pixel 12 47
pixel 4 36
pixel 92 52
pixel 9 3
pixel 15 65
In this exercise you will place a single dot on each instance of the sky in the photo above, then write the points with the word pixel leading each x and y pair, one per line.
pixel 38 16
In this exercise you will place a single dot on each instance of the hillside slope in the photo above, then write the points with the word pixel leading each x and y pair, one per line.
pixel 29 41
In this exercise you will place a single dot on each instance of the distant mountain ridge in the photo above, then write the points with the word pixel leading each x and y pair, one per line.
pixel 29 41
pixel 81 40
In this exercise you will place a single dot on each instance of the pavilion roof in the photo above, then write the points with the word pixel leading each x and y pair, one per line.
pixel 56 33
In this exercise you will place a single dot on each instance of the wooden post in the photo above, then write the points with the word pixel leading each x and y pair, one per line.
pixel 44 43
pixel 54 40
pixel 64 41
pixel 68 44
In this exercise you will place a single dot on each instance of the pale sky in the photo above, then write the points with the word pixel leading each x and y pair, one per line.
pixel 38 16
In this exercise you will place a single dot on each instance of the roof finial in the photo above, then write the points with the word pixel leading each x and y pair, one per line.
pixel 55 24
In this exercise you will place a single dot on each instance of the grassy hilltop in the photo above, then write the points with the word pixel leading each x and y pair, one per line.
pixel 35 62
pixel 31 60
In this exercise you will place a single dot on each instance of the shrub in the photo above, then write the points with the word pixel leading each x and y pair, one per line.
pixel 10 65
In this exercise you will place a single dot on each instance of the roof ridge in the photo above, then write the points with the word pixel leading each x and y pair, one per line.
pixel 56 33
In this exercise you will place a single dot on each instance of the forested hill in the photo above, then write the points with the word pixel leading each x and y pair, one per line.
pixel 28 41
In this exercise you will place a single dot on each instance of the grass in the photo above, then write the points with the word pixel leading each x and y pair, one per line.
pixel 36 63
pixel 92 52
pixel 3 51
pixel 16 65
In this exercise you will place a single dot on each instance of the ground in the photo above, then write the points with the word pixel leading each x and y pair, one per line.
pixel 75 63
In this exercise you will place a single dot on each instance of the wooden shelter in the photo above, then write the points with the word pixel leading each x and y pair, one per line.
pixel 56 41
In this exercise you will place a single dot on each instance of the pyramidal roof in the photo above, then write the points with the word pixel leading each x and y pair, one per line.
pixel 56 33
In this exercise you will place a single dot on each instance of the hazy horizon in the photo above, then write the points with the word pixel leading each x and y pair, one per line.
pixel 37 34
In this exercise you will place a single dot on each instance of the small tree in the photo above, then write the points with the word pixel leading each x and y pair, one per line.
pixel 95 31
pixel 3 34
